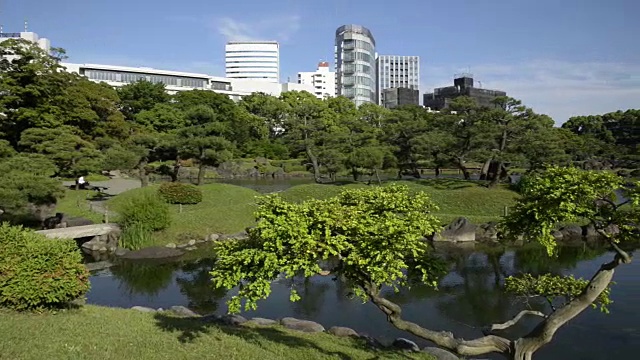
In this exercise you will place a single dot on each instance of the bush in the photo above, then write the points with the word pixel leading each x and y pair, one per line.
pixel 38 273
pixel 179 193
pixel 139 217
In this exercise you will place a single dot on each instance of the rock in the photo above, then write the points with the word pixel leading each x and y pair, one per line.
pixel 557 235
pixel 191 242
pixel 171 245
pixel 571 231
pixel 212 318
pixel 143 309
pixel 262 321
pixel 183 311
pixel 182 246
pixel 612 229
pixel 261 160
pixel 100 265
pixel 301 325
pixel 94 244
pixel 237 236
pixel 342 331
pixel 121 251
pixel 103 249
pixel 154 252
pixel 200 242
pixel 488 231
pixel 160 310
pixel 112 248
pixel 233 320
pixel 213 237
pixel 191 248
pixel 371 341
pixel 589 231
pixel 460 230
pixel 78 221
pixel 440 354
pixel 405 344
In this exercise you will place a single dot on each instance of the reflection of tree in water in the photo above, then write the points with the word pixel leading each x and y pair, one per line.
pixel 196 285
pixel 535 260
pixel 311 291
pixel 144 278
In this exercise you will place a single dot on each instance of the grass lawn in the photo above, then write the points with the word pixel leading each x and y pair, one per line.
pixel 76 204
pixel 224 209
pixel 454 197
pixel 93 332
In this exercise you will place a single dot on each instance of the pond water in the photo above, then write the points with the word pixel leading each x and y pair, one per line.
pixel 470 297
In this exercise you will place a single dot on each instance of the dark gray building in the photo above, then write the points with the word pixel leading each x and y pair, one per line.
pixel 462 86
pixel 394 97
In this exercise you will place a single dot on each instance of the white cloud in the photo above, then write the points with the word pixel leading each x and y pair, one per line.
pixel 558 88
pixel 280 28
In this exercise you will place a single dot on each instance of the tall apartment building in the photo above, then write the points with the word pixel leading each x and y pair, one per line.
pixel 396 72
pixel 255 60
pixel 43 43
pixel 355 59
pixel 323 80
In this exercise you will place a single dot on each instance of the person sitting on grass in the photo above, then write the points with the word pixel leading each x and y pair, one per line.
pixel 82 183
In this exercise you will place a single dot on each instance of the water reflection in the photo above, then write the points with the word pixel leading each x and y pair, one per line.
pixel 469 298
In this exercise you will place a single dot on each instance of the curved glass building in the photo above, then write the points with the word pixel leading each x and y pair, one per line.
pixel 355 59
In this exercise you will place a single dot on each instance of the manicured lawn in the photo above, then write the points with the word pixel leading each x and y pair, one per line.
pixel 76 204
pixel 93 332
pixel 224 209
pixel 454 197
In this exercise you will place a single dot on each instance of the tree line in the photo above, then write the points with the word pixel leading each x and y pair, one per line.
pixel 64 125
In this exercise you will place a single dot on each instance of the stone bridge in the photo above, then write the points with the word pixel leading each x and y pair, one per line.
pixel 79 232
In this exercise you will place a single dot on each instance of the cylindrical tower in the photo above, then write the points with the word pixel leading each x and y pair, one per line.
pixel 355 59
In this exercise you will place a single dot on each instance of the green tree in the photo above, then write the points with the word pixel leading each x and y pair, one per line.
pixel 374 237
pixel 163 117
pixel 72 155
pixel 30 80
pixel 139 96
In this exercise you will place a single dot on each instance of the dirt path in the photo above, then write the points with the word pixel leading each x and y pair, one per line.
pixel 115 186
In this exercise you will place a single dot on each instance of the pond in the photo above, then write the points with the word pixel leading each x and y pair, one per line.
pixel 470 297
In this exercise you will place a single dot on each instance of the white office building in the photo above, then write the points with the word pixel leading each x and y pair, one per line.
pixel 255 60
pixel 323 80
pixel 43 43
pixel 174 81
pixel 397 72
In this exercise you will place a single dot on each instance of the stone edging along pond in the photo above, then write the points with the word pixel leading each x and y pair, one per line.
pixel 305 326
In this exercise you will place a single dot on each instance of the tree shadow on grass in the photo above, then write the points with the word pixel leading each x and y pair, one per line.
pixel 191 328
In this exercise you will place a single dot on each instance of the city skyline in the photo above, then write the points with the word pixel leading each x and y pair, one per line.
pixel 561 61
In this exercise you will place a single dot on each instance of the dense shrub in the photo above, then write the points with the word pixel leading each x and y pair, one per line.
pixel 38 273
pixel 139 217
pixel 179 193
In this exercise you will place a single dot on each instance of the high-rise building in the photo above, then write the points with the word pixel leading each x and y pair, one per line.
pixel 397 72
pixel 43 43
pixel 255 60
pixel 355 59
pixel 323 80
pixel 462 86
pixel 394 97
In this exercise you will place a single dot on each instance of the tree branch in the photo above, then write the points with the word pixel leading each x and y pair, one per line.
pixel 483 345
pixel 512 322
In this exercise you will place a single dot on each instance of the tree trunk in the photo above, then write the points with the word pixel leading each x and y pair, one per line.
pixel 496 176
pixel 314 163
pixel 142 172
pixel 176 170
pixel 437 171
pixel 354 173
pixel 485 169
pixel 201 170
pixel 378 177
pixel 463 168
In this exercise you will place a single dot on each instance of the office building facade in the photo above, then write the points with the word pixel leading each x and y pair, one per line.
pixel 43 43
pixel 394 97
pixel 323 80
pixel 254 60
pixel 355 54
pixel 396 72
pixel 463 85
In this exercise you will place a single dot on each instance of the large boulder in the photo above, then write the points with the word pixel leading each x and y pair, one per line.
pixel 301 325
pixel 237 236
pixel 487 232
pixel 143 309
pixel 460 230
pixel 183 311
pixel 571 232
pixel 262 321
pixel 154 252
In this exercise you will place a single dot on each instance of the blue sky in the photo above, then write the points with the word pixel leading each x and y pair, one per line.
pixel 561 57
